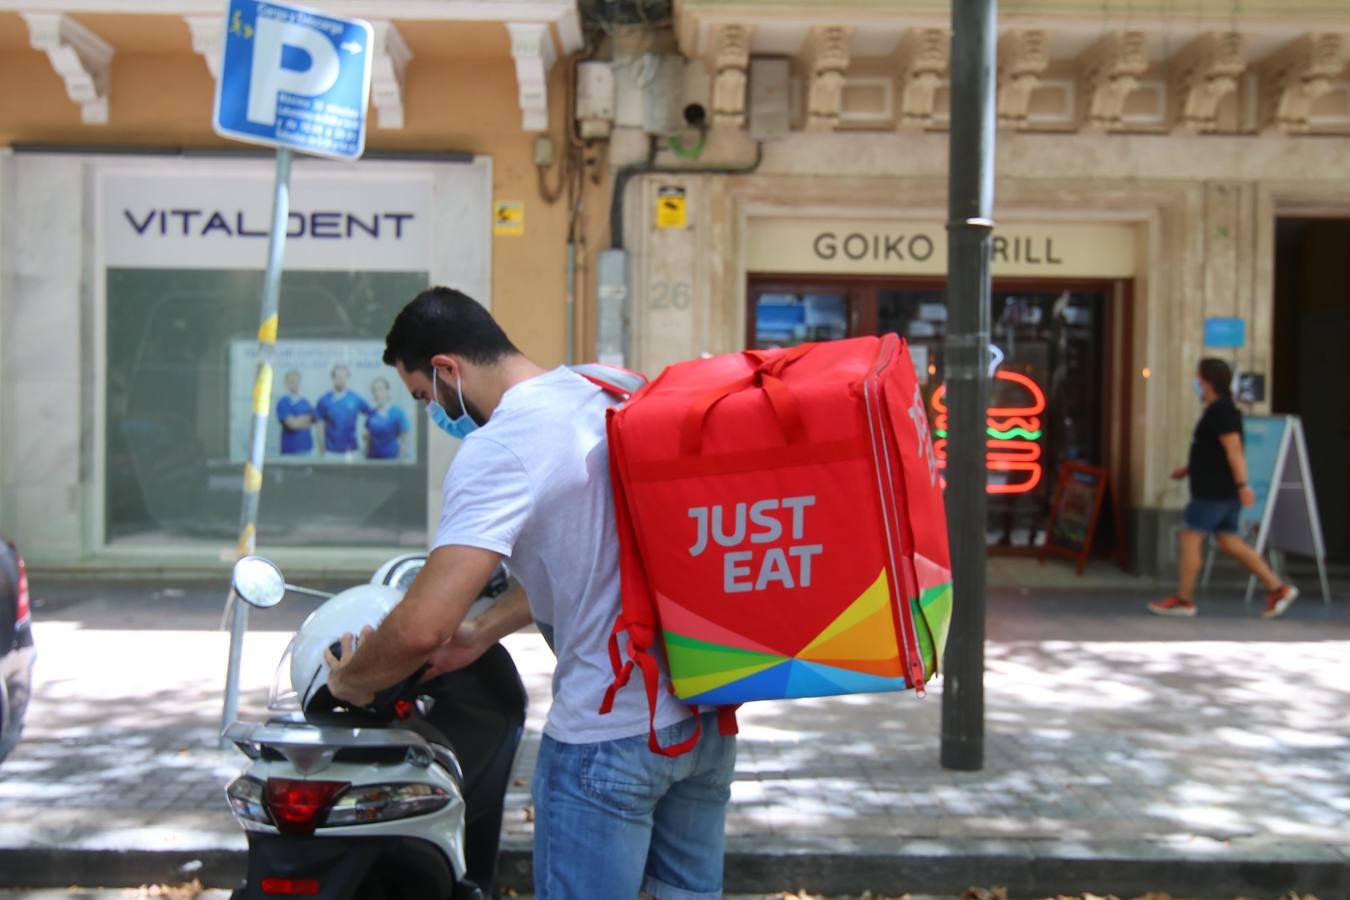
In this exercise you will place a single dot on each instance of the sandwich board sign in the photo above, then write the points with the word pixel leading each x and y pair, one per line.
pixel 294 78
pixel 1284 516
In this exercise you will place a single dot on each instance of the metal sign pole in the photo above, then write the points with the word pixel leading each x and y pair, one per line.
pixel 970 207
pixel 262 404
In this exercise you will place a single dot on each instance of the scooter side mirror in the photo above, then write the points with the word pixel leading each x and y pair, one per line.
pixel 258 582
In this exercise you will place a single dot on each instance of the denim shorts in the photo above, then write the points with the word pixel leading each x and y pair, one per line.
pixel 1213 516
pixel 613 818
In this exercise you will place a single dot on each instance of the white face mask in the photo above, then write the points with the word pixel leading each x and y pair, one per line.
pixel 1199 387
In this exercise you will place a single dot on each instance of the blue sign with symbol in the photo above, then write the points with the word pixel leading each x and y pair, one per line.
pixel 291 77
pixel 1225 332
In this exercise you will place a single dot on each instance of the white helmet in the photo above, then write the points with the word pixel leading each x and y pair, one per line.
pixel 346 613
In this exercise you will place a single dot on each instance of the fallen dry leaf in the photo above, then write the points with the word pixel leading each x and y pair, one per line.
pixel 978 893
pixel 529 814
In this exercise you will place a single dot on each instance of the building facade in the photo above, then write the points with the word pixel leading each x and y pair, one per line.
pixel 132 244
pixel 1161 169
pixel 643 182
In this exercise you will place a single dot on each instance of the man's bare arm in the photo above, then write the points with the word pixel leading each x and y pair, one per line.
pixel 1232 447
pixel 424 619
pixel 473 638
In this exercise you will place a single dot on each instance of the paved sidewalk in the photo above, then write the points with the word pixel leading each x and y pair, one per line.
pixel 1124 752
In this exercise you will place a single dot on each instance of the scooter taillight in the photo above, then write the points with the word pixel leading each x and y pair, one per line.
pixel 290 887
pixel 297 807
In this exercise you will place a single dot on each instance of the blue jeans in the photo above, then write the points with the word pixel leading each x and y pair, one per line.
pixel 1213 516
pixel 614 818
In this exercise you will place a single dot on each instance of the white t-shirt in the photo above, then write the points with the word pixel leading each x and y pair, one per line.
pixel 533 485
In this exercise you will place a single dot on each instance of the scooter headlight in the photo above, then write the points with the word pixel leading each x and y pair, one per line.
pixel 386 802
pixel 246 799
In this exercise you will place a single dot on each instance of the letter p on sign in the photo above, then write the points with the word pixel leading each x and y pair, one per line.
pixel 269 78
pixel 294 78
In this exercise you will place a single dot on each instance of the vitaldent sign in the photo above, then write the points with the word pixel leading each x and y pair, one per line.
pixel 863 247
pixel 219 219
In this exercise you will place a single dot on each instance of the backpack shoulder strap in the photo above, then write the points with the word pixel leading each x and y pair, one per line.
pixel 612 379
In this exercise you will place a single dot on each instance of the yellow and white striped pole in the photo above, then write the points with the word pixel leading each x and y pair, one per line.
pixel 262 404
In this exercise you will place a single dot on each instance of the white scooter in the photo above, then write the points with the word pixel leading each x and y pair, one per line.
pixel 401 800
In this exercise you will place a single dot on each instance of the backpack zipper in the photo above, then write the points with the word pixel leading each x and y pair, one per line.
pixel 890 515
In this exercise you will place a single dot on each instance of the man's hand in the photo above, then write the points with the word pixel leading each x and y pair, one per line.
pixel 1247 496
pixel 459 652
pixel 335 667
pixel 1178 474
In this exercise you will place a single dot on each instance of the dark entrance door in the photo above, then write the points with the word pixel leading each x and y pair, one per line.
pixel 1051 390
pixel 1311 374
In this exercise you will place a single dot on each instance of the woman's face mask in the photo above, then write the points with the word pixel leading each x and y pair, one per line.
pixel 1199 387
pixel 459 427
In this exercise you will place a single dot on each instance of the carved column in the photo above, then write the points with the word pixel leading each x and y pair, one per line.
pixel 730 63
pixel 208 39
pixel 924 58
pixel 1110 73
pixel 1296 76
pixel 534 53
pixel 828 58
pixel 389 61
pixel 1205 71
pixel 1022 58
pixel 79 56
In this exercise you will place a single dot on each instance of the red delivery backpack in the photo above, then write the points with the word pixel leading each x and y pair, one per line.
pixel 781 527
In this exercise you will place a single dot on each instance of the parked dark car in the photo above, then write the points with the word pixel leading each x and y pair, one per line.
pixel 16 646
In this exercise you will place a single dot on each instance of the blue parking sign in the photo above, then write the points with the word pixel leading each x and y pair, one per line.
pixel 292 77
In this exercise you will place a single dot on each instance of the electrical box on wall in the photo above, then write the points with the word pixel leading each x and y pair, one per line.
pixel 595 99
pixel 769 93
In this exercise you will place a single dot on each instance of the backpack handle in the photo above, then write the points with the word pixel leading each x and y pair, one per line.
pixel 767 374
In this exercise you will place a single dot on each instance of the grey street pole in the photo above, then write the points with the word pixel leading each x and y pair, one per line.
pixel 235 611
pixel 970 204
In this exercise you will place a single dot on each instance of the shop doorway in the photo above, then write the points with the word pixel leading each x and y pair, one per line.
pixel 1055 395
pixel 1310 371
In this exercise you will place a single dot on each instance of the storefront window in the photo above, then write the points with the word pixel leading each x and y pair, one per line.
pixel 1047 385
pixel 1045 393
pixel 346 448
pixel 788 319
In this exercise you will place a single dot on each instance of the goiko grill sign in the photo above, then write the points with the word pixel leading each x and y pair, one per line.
pixel 1080 250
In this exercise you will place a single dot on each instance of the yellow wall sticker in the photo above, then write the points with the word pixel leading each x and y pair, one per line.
pixel 671 207
pixel 508 217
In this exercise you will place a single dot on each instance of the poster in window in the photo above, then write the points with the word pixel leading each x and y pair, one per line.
pixel 333 402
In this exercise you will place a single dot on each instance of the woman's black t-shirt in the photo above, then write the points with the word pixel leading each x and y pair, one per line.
pixel 1211 476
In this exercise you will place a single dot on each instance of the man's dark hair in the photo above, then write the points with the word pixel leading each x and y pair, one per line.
pixel 444 320
pixel 1218 374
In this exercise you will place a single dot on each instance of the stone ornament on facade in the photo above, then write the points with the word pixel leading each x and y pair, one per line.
pixel 79 56
pixel 828 60
pixel 1022 59
pixel 208 39
pixel 389 62
pixel 1295 77
pixel 1110 73
pixel 1206 71
pixel 532 49
pixel 925 55
pixel 730 64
